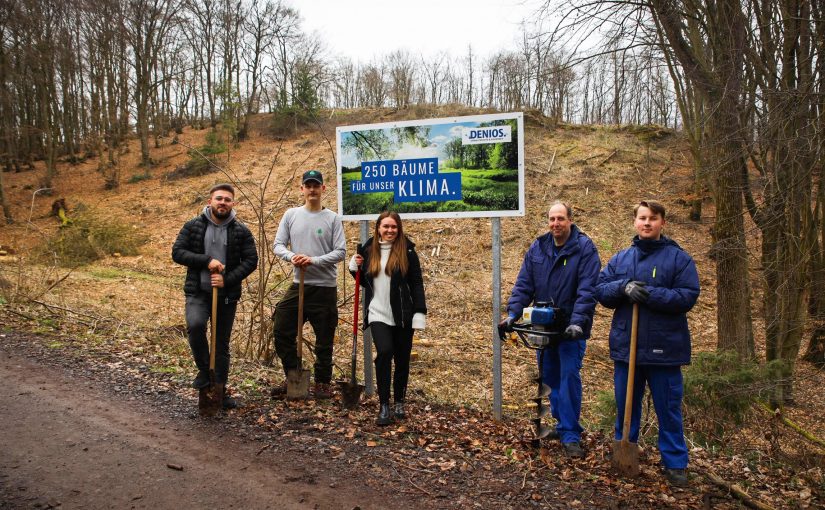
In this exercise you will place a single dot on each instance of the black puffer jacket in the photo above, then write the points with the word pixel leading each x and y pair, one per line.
pixel 241 256
pixel 406 291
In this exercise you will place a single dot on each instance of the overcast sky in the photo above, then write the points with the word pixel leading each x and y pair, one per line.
pixel 364 29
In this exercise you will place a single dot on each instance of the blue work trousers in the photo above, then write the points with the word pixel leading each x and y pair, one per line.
pixel 665 383
pixel 560 366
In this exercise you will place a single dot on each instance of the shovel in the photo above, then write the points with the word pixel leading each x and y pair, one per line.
pixel 210 399
pixel 351 391
pixel 625 453
pixel 297 379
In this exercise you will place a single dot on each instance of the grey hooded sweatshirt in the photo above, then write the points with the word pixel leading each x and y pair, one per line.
pixel 214 244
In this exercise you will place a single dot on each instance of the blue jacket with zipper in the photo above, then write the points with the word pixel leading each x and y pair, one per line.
pixel 567 280
pixel 669 273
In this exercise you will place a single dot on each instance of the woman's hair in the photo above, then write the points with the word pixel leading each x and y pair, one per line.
pixel 398 252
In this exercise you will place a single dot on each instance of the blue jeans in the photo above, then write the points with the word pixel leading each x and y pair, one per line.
pixel 665 383
pixel 560 366
pixel 198 312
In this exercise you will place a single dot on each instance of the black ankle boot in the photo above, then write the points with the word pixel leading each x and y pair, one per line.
pixel 399 411
pixel 384 416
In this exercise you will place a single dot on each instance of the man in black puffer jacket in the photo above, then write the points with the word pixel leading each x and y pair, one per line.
pixel 218 251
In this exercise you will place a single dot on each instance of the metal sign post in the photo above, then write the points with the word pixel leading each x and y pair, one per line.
pixel 369 381
pixel 496 286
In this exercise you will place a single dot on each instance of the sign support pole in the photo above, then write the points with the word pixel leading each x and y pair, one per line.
pixel 496 286
pixel 369 381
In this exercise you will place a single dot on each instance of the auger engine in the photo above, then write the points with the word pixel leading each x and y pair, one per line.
pixel 540 320
pixel 540 326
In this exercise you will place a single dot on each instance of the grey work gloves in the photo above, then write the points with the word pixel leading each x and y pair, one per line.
pixel 636 291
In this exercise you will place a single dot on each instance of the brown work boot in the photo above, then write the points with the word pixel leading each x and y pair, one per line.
pixel 278 391
pixel 322 391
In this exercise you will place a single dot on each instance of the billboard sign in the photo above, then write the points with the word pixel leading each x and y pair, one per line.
pixel 435 168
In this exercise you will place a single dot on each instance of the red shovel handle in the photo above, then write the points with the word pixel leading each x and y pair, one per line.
pixel 355 306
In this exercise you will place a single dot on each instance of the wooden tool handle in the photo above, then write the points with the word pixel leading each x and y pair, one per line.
pixel 213 337
pixel 300 340
pixel 631 374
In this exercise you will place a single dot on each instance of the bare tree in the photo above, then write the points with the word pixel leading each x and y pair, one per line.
pixel 402 71
pixel 148 24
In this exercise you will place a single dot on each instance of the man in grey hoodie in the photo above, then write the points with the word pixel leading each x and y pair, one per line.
pixel 218 251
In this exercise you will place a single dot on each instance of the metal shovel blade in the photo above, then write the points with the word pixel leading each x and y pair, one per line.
pixel 626 458
pixel 210 399
pixel 297 384
pixel 350 394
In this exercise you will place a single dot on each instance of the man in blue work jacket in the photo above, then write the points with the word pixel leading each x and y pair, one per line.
pixel 561 268
pixel 661 277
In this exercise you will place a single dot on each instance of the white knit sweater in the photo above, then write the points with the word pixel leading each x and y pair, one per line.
pixel 380 310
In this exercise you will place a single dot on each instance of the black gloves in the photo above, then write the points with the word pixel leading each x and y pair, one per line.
pixel 636 291
pixel 573 332
pixel 507 324
pixel 504 327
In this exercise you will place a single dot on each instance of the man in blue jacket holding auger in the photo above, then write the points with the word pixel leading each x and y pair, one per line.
pixel 661 277
pixel 561 268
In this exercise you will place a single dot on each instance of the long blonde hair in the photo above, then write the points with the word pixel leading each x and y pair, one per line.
pixel 398 253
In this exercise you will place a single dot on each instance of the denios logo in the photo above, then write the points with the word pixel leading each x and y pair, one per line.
pixel 490 134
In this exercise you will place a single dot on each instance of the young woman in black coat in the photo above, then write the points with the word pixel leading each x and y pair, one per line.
pixel 394 307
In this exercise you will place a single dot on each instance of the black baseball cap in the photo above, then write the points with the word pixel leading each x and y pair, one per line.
pixel 312 175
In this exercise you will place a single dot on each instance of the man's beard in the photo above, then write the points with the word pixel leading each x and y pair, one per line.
pixel 221 215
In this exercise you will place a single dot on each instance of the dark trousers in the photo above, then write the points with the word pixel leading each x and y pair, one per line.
pixel 666 388
pixel 321 310
pixel 198 313
pixel 392 343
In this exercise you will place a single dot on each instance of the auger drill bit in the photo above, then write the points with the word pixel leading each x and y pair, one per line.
pixel 542 410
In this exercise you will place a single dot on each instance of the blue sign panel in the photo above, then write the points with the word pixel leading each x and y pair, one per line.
pixel 410 180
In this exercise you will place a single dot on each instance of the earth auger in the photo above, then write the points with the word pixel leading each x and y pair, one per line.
pixel 540 326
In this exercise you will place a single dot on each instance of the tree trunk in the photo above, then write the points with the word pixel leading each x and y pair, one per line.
pixel 730 251
pixel 3 202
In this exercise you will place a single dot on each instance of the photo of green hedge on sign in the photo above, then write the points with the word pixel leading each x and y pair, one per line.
pixel 450 167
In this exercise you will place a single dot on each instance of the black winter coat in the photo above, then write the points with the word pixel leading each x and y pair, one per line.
pixel 406 291
pixel 241 256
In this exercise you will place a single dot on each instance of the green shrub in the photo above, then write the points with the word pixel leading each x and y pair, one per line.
pixel 719 390
pixel 89 238
pixel 199 164
pixel 605 411
pixel 138 178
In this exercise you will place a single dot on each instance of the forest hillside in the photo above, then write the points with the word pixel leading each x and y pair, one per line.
pixel 126 296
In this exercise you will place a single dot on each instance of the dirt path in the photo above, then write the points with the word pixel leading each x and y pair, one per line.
pixel 67 443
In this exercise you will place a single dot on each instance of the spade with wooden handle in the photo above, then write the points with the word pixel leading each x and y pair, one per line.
pixel 625 452
pixel 297 379
pixel 210 399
